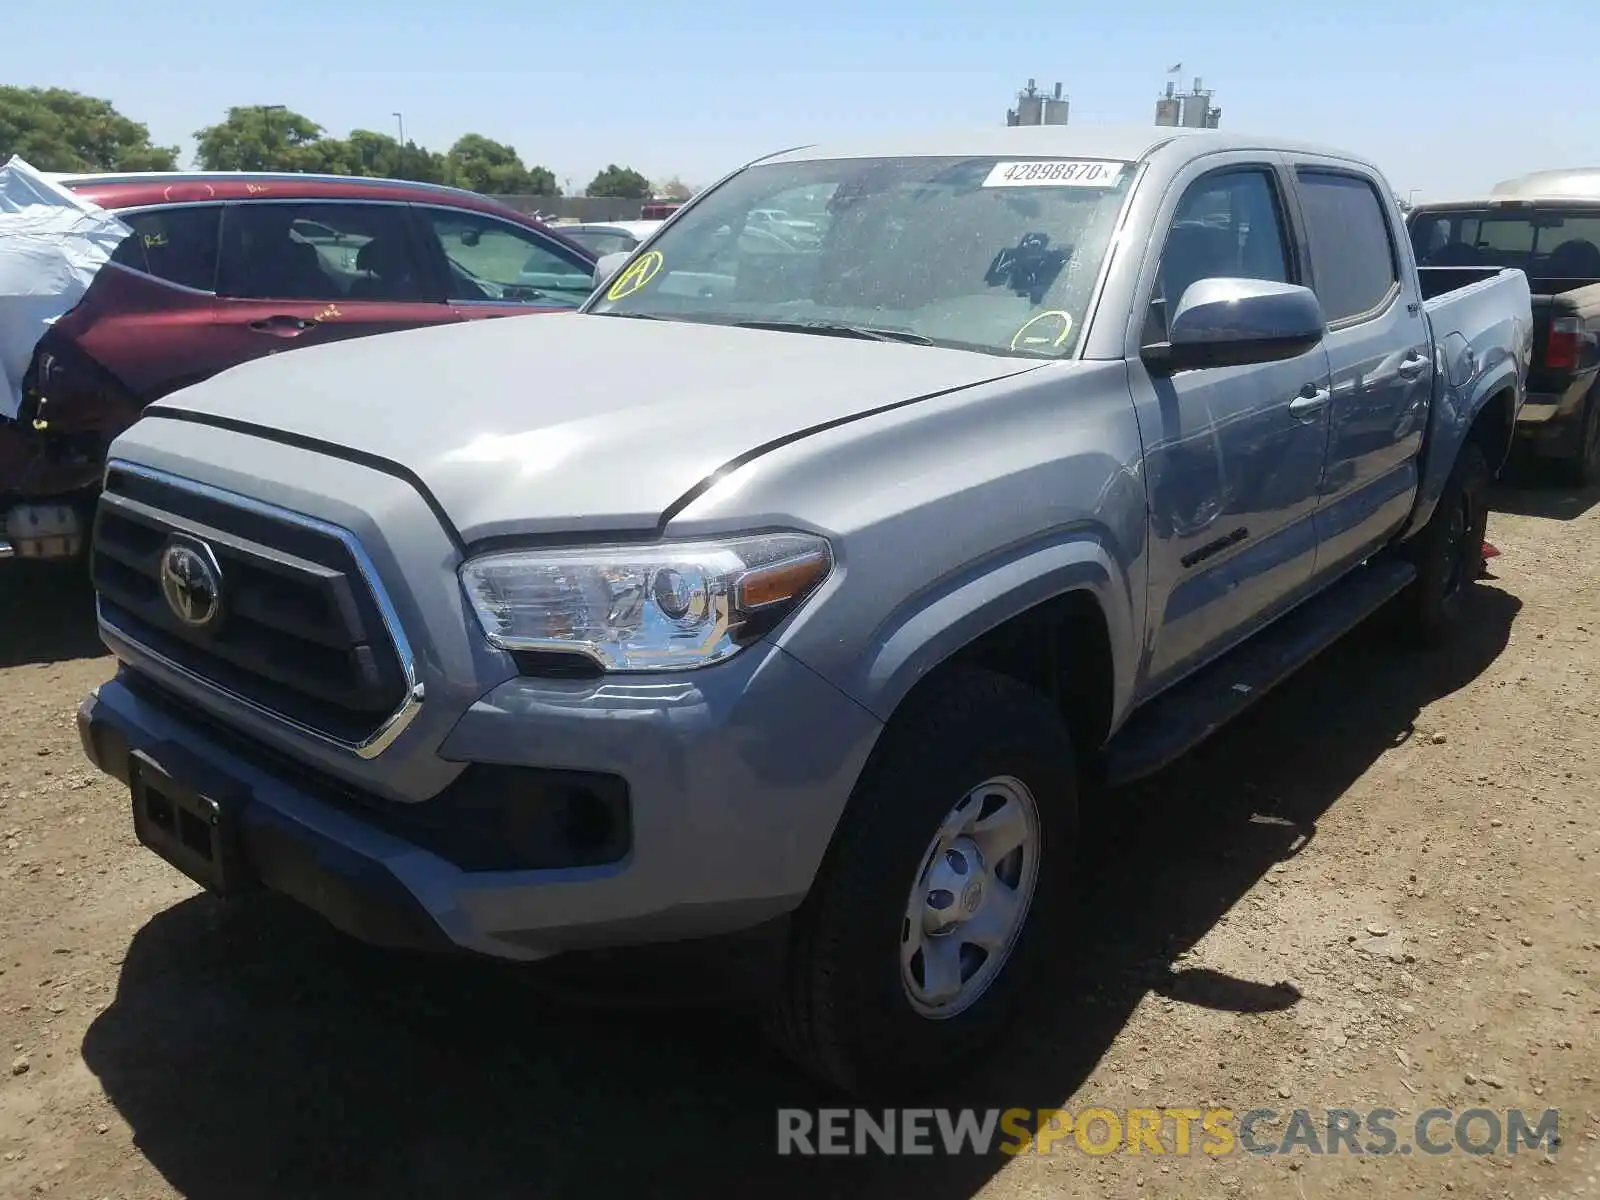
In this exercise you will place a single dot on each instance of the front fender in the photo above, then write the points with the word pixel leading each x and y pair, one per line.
pixel 928 628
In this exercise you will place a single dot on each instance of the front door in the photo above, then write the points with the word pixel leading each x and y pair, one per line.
pixel 1231 468
pixel 304 273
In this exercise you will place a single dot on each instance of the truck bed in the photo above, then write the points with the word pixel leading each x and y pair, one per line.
pixel 1475 303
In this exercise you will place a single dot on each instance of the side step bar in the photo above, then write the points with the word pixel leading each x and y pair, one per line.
pixel 1179 719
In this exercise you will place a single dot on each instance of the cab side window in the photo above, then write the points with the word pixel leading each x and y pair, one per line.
pixel 1353 258
pixel 1229 224
pixel 494 261
pixel 178 245
pixel 322 251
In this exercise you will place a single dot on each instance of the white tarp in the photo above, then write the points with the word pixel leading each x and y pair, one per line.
pixel 52 243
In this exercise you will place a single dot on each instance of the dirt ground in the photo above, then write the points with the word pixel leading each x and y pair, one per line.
pixel 1378 889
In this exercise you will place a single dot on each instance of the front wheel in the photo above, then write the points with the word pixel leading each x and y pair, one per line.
pixel 1449 551
pixel 946 891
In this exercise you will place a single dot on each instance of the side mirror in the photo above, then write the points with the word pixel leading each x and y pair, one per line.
pixel 608 265
pixel 1235 322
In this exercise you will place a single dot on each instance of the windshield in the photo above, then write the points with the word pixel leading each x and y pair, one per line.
pixel 972 253
pixel 1545 244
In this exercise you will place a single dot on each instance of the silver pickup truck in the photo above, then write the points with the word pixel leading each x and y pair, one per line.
pixel 800 589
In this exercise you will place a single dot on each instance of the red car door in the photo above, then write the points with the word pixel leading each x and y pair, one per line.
pixel 147 319
pixel 496 268
pixel 304 272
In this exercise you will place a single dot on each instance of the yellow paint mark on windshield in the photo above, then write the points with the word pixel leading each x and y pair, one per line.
pixel 638 273
pixel 1023 339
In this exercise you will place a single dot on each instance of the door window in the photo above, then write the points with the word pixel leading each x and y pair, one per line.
pixel 318 251
pixel 1352 250
pixel 175 244
pixel 495 261
pixel 602 241
pixel 1228 225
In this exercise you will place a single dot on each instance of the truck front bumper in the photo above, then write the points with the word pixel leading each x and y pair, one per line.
pixel 731 783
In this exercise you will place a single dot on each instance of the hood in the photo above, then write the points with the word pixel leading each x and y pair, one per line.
pixel 570 422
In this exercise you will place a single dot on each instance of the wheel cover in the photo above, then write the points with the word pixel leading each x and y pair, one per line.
pixel 970 899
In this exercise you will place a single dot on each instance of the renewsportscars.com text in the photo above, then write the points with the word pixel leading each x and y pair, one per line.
pixel 1163 1131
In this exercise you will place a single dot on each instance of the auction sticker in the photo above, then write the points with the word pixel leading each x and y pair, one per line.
pixel 638 273
pixel 1056 172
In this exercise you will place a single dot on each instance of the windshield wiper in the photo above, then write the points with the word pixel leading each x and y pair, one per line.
pixel 830 329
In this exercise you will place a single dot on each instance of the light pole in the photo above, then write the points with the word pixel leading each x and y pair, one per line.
pixel 1411 197
pixel 400 122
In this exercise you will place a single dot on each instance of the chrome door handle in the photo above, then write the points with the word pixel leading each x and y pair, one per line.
pixel 1309 402
pixel 1413 365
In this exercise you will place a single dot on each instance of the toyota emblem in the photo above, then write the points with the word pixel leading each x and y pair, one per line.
pixel 191 582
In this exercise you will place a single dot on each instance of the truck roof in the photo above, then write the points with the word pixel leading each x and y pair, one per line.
pixel 1566 185
pixel 1126 143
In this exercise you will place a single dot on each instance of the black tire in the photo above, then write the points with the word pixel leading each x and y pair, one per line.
pixel 1583 469
pixel 842 1011
pixel 1449 550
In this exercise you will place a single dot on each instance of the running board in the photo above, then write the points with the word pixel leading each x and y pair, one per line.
pixel 1185 715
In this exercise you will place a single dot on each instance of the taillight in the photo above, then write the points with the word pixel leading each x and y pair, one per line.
pixel 1561 348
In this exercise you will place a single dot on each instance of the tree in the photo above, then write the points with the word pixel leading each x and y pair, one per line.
pixel 483 165
pixel 674 189
pixel 622 182
pixel 263 137
pixel 379 156
pixel 55 129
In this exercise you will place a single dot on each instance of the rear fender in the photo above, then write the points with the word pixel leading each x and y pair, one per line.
pixel 1466 378
pixel 931 627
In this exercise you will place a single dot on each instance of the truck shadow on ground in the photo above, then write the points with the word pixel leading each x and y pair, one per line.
pixel 46 614
pixel 257 1053
pixel 1531 487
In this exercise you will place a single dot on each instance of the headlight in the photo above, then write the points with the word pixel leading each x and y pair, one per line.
pixel 659 607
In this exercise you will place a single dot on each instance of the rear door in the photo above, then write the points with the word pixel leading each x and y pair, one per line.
pixel 1380 357
pixel 496 268
pixel 307 272
pixel 147 319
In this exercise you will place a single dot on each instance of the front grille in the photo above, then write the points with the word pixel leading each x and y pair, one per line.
pixel 299 632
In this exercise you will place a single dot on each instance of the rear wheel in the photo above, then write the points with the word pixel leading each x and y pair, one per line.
pixel 946 891
pixel 1583 470
pixel 1449 550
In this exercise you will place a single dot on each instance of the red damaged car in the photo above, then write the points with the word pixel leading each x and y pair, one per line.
pixel 225 267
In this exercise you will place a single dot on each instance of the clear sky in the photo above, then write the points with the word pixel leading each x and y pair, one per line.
pixel 1445 97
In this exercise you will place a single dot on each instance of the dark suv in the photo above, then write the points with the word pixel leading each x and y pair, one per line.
pixel 225 267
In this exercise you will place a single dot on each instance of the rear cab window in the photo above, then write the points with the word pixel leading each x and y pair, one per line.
pixel 177 245
pixel 1355 263
pixel 1551 244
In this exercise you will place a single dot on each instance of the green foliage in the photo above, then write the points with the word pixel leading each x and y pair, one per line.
pixel 55 129
pixel 59 130
pixel 622 182
pixel 484 165
pixel 265 138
